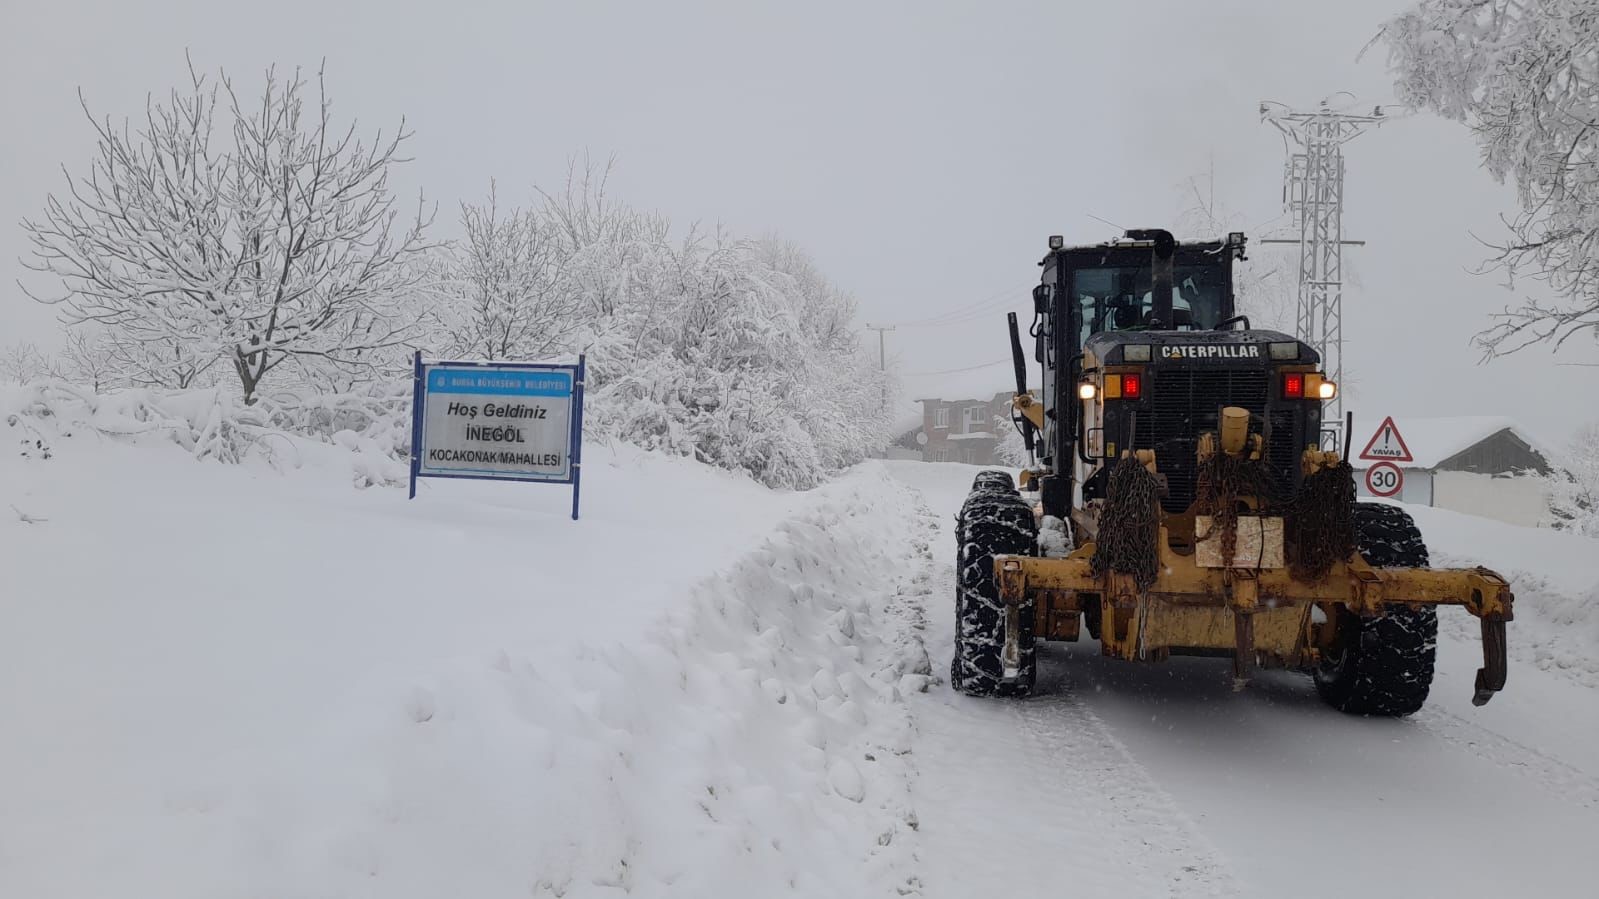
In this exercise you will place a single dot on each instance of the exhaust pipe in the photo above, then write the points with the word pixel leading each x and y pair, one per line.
pixel 1161 273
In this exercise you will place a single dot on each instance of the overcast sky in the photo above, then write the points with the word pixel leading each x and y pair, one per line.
pixel 922 152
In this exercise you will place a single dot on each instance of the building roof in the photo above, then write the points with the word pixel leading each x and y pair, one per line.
pixel 1435 440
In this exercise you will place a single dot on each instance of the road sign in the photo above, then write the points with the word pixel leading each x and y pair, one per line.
pixel 498 421
pixel 1384 479
pixel 1386 445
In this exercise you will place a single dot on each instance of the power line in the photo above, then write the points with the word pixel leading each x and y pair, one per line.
pixel 961 314
pixel 955 371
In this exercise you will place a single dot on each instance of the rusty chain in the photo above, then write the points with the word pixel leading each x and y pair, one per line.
pixel 1129 524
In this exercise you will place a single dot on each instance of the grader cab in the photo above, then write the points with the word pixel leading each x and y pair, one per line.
pixel 1181 503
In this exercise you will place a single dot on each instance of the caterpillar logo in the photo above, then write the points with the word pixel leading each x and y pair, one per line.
pixel 1212 351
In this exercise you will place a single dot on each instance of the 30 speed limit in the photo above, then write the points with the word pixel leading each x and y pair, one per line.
pixel 1384 479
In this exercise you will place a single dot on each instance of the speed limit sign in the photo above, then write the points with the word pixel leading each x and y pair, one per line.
pixel 1384 479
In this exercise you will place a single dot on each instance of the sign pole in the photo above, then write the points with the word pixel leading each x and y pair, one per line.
pixel 416 421
pixel 577 431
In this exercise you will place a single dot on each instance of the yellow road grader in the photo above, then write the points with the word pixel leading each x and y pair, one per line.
pixel 1181 503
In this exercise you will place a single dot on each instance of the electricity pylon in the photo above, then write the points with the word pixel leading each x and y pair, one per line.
pixel 1313 192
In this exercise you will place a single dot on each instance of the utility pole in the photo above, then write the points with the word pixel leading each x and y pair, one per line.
pixel 882 357
pixel 1313 191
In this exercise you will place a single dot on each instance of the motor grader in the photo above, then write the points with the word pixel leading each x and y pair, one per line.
pixel 1180 501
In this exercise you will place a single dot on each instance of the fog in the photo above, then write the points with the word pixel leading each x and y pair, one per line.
pixel 922 152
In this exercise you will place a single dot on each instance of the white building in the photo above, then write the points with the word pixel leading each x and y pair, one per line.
pixel 1472 464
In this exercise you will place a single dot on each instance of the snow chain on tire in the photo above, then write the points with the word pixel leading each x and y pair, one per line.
pixel 1385 664
pixel 993 522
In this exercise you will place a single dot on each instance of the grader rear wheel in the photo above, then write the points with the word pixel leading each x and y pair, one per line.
pixel 992 523
pixel 1383 666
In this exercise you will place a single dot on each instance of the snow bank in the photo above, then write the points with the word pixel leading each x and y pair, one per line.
pixel 223 681
pixel 1553 573
pixel 372 429
pixel 753 743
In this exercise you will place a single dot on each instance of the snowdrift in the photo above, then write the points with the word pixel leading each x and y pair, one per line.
pixel 228 681
pixel 1555 576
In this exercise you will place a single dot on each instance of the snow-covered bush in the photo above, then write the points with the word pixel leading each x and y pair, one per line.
pixel 215 423
pixel 735 352
pixel 1574 485
pixel 23 362
pixel 1524 76
pixel 1011 449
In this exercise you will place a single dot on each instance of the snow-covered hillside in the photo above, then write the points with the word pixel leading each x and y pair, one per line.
pixel 235 680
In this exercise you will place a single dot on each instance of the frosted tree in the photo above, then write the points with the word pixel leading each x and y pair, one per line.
pixel 165 362
pixel 1524 76
pixel 276 240
pixel 1265 285
pixel 1011 449
pixel 505 294
pixel 23 362
pixel 86 359
pixel 1574 484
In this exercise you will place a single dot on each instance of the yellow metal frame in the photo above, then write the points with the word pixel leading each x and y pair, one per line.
pixel 1261 617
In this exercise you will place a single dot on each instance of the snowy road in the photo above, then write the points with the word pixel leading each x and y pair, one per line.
pixel 1160 780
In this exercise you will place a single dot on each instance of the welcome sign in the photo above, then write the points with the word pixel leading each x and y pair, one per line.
pixel 498 421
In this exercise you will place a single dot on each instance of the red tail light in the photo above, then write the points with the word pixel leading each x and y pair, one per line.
pixel 1294 386
pixel 1132 386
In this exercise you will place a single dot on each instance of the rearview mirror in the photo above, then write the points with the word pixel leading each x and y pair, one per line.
pixel 1041 299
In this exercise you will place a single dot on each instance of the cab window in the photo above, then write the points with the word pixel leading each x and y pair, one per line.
pixel 1121 298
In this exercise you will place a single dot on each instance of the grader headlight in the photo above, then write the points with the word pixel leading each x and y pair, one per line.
pixel 1086 391
pixel 1320 387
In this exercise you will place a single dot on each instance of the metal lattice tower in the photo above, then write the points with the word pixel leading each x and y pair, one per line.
pixel 1313 192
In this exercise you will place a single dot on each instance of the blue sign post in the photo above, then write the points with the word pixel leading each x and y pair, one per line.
pixel 498 421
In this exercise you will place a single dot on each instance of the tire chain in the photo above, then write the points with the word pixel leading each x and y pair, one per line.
pixel 1129 524
pixel 1321 522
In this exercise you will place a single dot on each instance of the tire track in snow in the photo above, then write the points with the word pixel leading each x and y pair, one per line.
pixel 1038 797
pixel 1557 777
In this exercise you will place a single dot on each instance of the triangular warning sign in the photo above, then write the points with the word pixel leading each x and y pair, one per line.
pixel 1386 445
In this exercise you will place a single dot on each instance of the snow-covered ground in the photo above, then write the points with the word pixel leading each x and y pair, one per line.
pixel 226 681
pixel 238 681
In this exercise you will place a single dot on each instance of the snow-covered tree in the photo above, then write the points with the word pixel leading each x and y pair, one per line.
pixel 276 240
pixel 86 360
pixel 1266 285
pixel 24 362
pixel 1524 76
pixel 1011 449
pixel 166 362
pixel 504 296
pixel 737 352
pixel 1574 484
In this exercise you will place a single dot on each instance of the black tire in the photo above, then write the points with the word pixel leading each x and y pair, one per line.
pixel 988 484
pixel 991 524
pixel 1384 666
pixel 992 480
